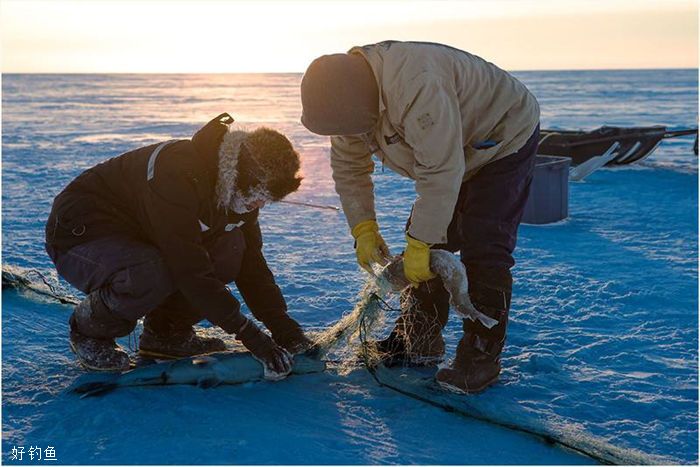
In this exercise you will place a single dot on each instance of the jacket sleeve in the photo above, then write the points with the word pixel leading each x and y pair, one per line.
pixel 352 172
pixel 432 123
pixel 171 206
pixel 256 282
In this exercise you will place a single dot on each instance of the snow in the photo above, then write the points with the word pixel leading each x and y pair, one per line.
pixel 604 325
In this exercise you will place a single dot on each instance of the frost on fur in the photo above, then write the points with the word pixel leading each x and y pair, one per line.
pixel 229 151
pixel 266 171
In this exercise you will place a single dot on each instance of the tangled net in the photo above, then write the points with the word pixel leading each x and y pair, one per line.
pixel 358 330
pixel 354 333
pixel 16 277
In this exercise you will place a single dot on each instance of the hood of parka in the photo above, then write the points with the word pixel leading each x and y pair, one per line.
pixel 229 152
pixel 253 166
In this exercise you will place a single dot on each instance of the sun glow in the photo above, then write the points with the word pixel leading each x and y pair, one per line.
pixel 218 36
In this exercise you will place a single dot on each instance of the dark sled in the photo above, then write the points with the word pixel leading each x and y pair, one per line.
pixel 634 143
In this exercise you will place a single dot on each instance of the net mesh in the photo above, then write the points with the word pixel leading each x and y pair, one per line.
pixel 387 296
pixel 357 333
pixel 42 283
pixel 353 339
pixel 342 340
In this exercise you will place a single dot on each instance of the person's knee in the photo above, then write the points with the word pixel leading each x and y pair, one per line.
pixel 489 243
pixel 488 274
pixel 93 318
pixel 490 286
pixel 134 291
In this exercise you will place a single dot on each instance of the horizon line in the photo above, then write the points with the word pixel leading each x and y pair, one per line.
pixel 300 72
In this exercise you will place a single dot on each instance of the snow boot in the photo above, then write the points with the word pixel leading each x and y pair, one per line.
pixel 93 328
pixel 168 333
pixel 416 339
pixel 477 364
pixel 178 345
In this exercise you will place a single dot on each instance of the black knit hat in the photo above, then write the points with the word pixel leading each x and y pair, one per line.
pixel 339 95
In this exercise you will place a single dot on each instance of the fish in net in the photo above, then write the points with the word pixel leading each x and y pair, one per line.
pixel 357 333
pixel 374 301
pixel 353 337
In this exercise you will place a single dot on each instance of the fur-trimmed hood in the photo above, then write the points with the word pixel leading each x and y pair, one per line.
pixel 267 170
pixel 229 152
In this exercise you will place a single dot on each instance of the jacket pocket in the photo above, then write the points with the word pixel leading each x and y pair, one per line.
pixel 72 213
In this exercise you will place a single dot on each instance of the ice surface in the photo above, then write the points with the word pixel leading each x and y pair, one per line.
pixel 603 331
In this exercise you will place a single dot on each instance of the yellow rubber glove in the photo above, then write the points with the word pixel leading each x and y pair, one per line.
pixel 370 246
pixel 416 261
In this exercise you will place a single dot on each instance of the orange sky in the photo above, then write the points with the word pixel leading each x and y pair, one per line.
pixel 265 36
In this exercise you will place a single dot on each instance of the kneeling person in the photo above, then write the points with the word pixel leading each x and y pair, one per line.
pixel 159 231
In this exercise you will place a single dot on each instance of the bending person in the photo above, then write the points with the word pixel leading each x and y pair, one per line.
pixel 159 232
pixel 466 132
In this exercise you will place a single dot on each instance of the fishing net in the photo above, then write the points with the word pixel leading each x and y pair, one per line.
pixel 352 340
pixel 42 283
pixel 357 332
pixel 382 299
pixel 341 340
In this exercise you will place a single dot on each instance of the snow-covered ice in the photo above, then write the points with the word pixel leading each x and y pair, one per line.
pixel 604 327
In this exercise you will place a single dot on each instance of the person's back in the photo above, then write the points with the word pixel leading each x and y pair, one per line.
pixel 493 104
pixel 106 198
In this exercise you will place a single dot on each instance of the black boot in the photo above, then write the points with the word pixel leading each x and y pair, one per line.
pixel 416 339
pixel 180 345
pixel 93 328
pixel 477 364
pixel 168 333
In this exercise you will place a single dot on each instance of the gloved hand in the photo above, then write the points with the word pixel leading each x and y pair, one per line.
pixel 370 246
pixel 276 361
pixel 293 339
pixel 416 261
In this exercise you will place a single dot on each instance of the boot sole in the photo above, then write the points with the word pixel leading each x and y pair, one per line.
pixel 457 390
pixel 416 362
pixel 87 366
pixel 154 354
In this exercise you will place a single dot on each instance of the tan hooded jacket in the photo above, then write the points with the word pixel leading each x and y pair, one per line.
pixel 439 109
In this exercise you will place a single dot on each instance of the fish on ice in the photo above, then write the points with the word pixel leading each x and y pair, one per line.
pixel 204 371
